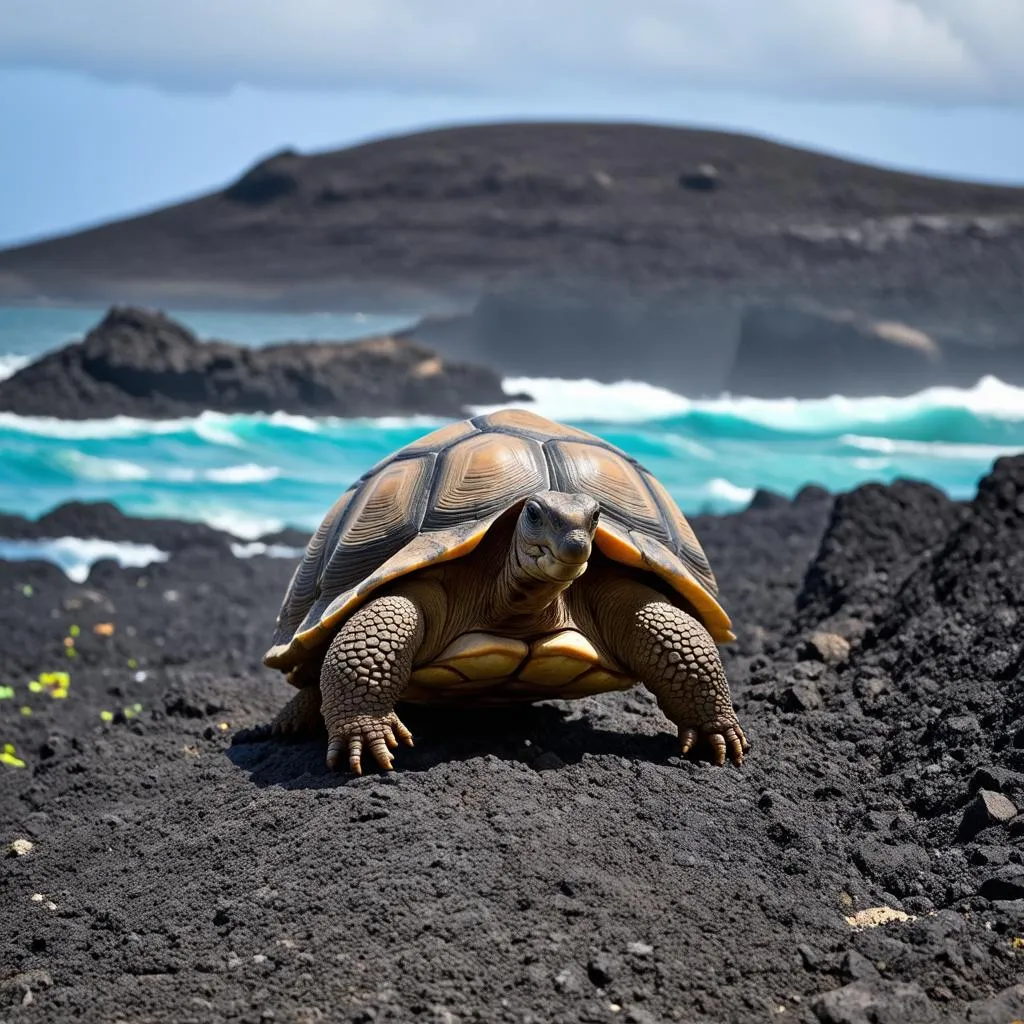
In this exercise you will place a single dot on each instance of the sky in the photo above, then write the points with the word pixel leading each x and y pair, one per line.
pixel 111 107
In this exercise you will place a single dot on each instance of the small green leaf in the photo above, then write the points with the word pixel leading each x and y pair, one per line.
pixel 9 757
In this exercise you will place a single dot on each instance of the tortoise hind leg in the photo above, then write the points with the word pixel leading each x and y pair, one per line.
pixel 301 715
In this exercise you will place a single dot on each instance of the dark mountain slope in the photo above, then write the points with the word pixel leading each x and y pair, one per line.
pixel 444 214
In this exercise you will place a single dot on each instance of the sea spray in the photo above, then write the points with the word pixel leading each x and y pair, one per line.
pixel 252 474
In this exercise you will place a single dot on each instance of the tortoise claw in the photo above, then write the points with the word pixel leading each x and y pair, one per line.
pixel 373 732
pixel 728 742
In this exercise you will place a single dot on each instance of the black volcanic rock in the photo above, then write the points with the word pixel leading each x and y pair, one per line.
pixel 106 521
pixel 876 536
pixel 802 351
pixel 704 178
pixel 143 363
pixel 958 616
pixel 562 855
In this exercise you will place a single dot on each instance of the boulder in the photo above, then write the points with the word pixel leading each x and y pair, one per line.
pixel 876 537
pixel 703 178
pixel 803 351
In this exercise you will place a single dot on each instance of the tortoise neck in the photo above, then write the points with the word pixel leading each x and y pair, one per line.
pixel 521 596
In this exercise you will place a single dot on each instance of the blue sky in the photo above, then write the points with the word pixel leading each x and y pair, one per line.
pixel 108 107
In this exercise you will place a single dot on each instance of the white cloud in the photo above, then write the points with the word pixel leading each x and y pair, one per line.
pixel 906 50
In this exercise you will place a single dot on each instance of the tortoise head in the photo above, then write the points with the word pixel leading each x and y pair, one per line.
pixel 555 533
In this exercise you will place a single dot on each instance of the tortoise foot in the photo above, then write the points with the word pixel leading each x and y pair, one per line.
pixel 300 716
pixel 727 740
pixel 379 733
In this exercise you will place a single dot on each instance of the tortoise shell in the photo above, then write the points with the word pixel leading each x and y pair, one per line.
pixel 435 499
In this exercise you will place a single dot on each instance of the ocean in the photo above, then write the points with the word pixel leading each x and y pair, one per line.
pixel 252 474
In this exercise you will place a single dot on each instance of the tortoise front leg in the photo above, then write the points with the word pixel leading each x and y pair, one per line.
pixel 365 673
pixel 676 658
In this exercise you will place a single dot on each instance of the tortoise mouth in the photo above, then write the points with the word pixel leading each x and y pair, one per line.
pixel 554 568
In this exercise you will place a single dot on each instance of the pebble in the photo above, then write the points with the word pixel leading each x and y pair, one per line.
pixel 1005 884
pixel 566 981
pixel 639 949
pixel 986 809
pixel 20 848
pixel 830 648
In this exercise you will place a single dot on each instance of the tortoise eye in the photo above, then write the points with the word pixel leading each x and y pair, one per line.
pixel 533 514
pixel 595 517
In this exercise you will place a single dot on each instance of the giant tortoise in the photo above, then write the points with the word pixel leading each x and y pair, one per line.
pixel 500 559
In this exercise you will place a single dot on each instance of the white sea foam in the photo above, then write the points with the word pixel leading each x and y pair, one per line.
pixel 305 424
pixel 869 465
pixel 626 401
pixel 11 364
pixel 91 467
pixel 77 555
pixel 580 401
pixel 91 430
pixel 637 402
pixel 929 449
pixel 257 547
pixel 215 428
pixel 990 397
pixel 240 524
pixel 250 473
pixel 719 487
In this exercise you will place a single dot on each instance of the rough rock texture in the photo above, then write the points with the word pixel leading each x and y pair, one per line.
pixel 804 351
pixel 555 863
pixel 876 536
pixel 142 363
pixel 106 521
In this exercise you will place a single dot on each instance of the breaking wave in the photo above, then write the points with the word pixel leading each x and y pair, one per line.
pixel 77 555
pixel 253 474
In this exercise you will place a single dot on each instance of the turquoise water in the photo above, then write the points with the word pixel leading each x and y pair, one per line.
pixel 254 473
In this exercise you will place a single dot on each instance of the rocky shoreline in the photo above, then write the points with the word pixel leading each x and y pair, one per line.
pixel 143 363
pixel 166 861
pixel 139 362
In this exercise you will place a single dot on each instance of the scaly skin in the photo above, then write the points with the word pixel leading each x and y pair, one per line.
pixel 676 659
pixel 365 672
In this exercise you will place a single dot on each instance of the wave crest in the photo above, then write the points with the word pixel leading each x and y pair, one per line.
pixel 77 555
